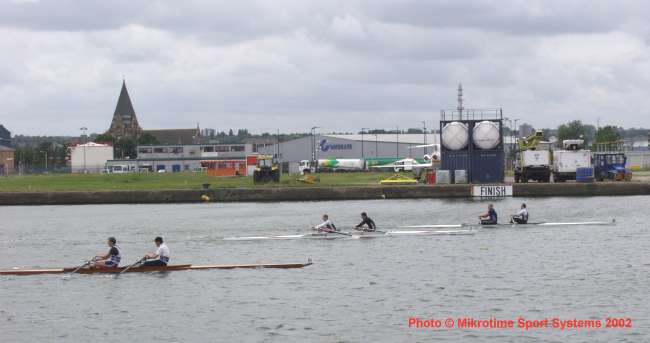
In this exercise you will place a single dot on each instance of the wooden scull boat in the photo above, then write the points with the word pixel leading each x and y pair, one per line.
pixel 168 268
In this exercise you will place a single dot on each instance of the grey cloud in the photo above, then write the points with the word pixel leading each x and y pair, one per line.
pixel 338 64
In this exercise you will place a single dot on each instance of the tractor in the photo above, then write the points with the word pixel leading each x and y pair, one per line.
pixel 267 170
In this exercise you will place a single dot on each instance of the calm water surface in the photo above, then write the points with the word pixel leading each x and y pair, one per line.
pixel 356 291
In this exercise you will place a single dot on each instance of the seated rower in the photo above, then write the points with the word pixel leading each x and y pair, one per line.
pixel 111 259
pixel 160 257
pixel 326 225
pixel 365 220
pixel 520 217
pixel 490 217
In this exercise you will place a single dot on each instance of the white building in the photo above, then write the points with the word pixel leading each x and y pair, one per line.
pixel 90 157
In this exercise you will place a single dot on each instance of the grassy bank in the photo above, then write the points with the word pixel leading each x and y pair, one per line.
pixel 165 181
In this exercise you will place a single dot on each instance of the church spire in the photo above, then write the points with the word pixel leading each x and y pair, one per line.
pixel 125 123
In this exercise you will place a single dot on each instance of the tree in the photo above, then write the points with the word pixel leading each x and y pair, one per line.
pixel 571 130
pixel 607 134
pixel 104 138
pixel 125 148
pixel 147 139
pixel 230 133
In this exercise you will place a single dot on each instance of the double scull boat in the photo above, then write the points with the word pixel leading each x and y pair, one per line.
pixel 354 235
pixel 173 267
pixel 589 223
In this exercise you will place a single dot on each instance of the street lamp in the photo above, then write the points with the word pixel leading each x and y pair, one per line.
pixel 313 145
pixel 45 152
pixel 397 142
pixel 362 132
pixel 84 134
pixel 516 128
pixel 424 134
pixel 377 145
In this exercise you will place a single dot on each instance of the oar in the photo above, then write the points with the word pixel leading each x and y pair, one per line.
pixel 364 231
pixel 340 233
pixel 133 265
pixel 81 266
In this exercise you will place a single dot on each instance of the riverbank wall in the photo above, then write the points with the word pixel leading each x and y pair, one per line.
pixel 314 193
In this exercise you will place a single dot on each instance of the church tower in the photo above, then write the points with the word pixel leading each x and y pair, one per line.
pixel 125 123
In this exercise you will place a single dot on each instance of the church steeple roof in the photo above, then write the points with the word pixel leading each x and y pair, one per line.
pixel 125 122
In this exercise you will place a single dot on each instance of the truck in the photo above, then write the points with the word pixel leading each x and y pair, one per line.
pixel 567 161
pixel 333 165
pixel 533 159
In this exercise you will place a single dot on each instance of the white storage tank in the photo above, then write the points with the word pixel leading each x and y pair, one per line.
pixel 486 135
pixel 455 135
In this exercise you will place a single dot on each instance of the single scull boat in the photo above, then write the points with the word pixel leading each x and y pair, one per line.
pixel 168 268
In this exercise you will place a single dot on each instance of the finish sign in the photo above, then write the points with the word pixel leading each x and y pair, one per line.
pixel 492 191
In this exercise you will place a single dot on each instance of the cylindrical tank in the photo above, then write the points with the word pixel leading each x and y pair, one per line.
pixel 486 135
pixel 455 135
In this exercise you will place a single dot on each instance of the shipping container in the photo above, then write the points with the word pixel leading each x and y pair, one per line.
pixel 487 166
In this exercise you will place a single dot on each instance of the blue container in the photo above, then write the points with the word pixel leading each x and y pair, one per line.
pixel 487 166
pixel 585 174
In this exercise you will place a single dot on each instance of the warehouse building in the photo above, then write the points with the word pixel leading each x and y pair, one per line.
pixel 354 146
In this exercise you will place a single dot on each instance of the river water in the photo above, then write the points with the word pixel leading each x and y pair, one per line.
pixel 356 291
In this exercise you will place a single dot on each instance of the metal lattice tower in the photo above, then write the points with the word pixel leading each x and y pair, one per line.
pixel 460 101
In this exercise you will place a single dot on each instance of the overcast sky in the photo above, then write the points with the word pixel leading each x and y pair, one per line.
pixel 341 65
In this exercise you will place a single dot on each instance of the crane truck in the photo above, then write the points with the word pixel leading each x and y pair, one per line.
pixel 533 159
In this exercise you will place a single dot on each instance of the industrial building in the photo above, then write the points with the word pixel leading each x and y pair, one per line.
pixel 217 159
pixel 90 157
pixel 330 146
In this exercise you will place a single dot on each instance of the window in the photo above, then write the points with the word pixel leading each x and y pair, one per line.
pixel 222 148
pixel 208 149
pixel 237 148
pixel 159 150
pixel 176 150
pixel 144 150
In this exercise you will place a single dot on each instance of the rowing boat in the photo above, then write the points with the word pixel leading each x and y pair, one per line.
pixel 589 223
pixel 173 267
pixel 355 235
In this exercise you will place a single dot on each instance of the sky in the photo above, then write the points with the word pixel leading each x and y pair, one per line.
pixel 340 65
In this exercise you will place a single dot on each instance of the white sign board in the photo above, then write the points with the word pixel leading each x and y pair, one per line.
pixel 492 191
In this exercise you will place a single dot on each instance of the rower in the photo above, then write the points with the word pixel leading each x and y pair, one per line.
pixel 326 225
pixel 111 259
pixel 365 220
pixel 520 217
pixel 160 257
pixel 490 217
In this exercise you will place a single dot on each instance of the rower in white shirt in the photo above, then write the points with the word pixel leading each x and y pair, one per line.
pixel 160 257
pixel 326 225
pixel 520 217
